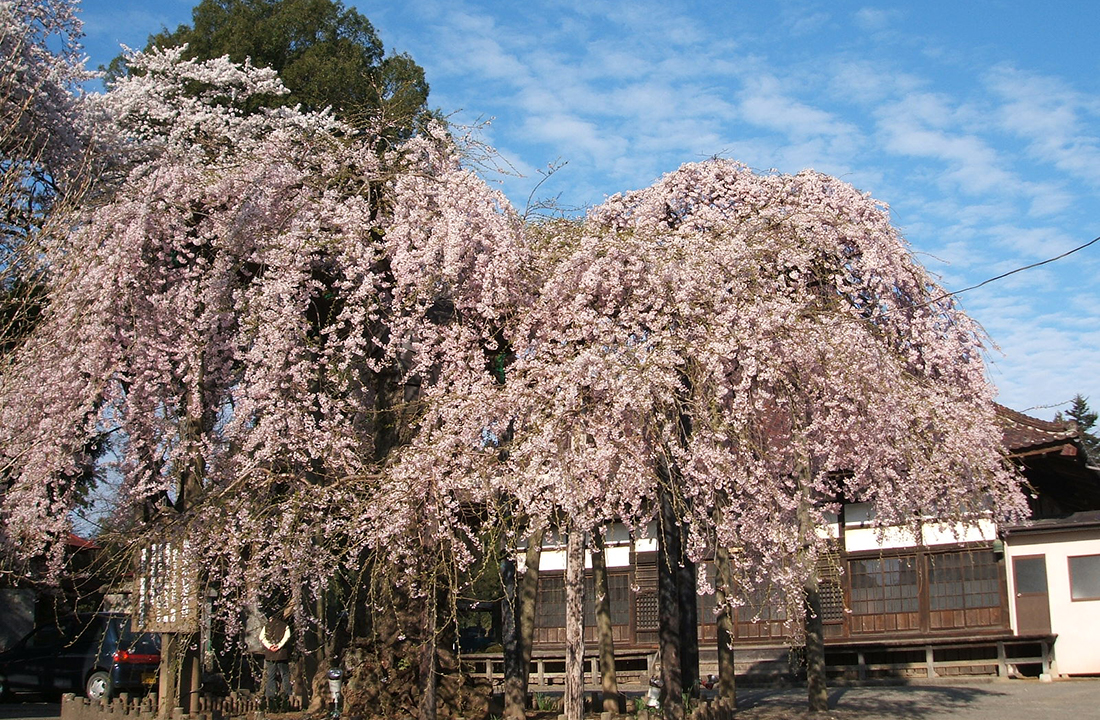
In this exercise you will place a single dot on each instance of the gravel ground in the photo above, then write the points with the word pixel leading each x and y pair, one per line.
pixel 1007 700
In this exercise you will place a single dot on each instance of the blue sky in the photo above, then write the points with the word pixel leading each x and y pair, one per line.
pixel 978 123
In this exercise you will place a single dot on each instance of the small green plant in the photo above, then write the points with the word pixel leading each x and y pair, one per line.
pixel 639 705
pixel 544 702
pixel 689 702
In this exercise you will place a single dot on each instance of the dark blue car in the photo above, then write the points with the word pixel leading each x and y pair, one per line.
pixel 96 655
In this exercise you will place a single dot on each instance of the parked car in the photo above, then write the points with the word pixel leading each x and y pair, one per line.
pixel 96 655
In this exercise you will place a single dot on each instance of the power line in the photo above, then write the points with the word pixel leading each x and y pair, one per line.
pixel 1013 272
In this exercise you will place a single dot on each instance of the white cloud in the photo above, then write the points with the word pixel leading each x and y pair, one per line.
pixel 1059 124
pixel 806 23
pixel 974 165
pixel 763 103
pixel 875 19
pixel 868 82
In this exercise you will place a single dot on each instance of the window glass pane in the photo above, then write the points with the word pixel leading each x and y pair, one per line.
pixel 550 605
pixel 707 601
pixel 763 604
pixel 1031 574
pixel 618 591
pixel 884 585
pixel 963 580
pixel 45 637
pixel 1084 577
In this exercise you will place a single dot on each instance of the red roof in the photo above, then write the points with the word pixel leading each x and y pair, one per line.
pixel 79 543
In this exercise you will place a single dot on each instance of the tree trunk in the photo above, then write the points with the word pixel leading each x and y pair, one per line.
pixel 428 676
pixel 689 619
pixel 515 686
pixel 816 688
pixel 815 649
pixel 609 682
pixel 574 625
pixel 668 610
pixel 727 687
pixel 509 633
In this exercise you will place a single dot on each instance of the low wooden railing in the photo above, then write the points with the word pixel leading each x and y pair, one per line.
pixel 920 658
pixel 1002 657
pixel 633 669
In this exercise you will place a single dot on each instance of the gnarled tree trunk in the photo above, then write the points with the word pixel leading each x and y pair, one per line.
pixel 609 682
pixel 429 678
pixel 574 625
pixel 689 618
pixel 668 609
pixel 816 689
pixel 727 687
pixel 509 637
pixel 515 683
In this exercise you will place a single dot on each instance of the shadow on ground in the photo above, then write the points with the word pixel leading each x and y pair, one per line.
pixel 29 707
pixel 864 703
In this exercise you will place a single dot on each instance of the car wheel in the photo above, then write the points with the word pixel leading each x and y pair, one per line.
pixel 5 694
pixel 98 686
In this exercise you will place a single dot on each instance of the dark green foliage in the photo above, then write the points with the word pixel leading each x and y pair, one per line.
pixel 327 56
pixel 22 300
pixel 1082 414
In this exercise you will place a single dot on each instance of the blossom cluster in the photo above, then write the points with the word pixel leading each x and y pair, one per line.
pixel 311 350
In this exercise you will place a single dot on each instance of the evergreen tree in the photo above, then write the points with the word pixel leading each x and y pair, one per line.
pixel 1085 417
pixel 327 55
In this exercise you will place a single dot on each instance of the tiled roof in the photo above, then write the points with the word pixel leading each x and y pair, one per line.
pixel 78 543
pixel 1023 432
pixel 1087 519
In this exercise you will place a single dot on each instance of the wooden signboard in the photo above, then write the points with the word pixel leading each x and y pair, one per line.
pixel 166 592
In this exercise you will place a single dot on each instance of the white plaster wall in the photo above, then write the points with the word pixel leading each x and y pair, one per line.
pixel 858 538
pixel 554 559
pixel 1077 623
pixel 947 534
pixel 618 556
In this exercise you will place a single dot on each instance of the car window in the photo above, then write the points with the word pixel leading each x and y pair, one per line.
pixel 88 631
pixel 44 637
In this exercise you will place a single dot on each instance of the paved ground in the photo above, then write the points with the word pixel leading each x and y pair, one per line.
pixel 1009 700
pixel 29 708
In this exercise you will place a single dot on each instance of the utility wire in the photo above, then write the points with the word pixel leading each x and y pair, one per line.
pixel 1012 272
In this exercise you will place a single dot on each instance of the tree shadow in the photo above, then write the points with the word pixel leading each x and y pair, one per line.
pixel 30 706
pixel 909 701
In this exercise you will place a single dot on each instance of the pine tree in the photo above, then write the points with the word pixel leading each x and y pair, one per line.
pixel 1085 417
